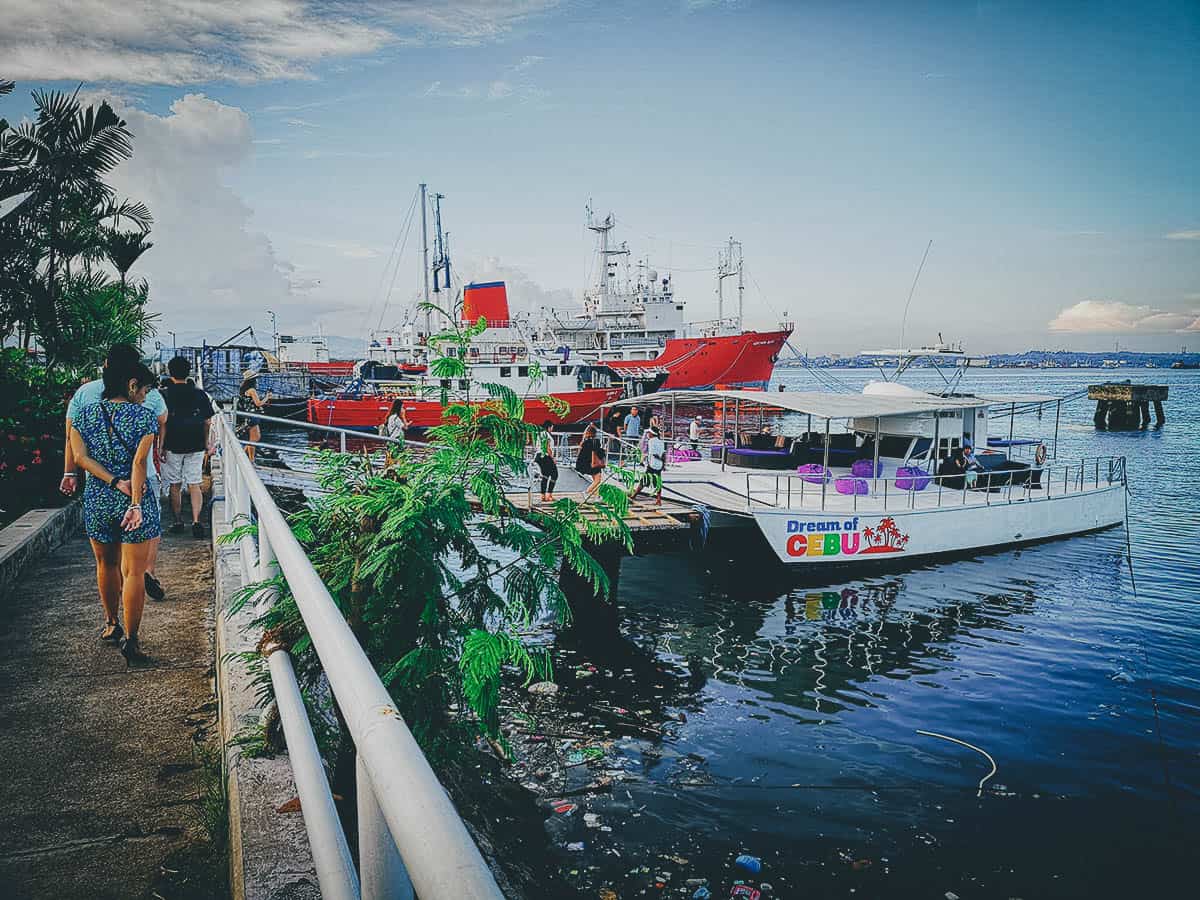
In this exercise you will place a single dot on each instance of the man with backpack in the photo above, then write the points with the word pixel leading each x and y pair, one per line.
pixel 189 414
pixel 656 461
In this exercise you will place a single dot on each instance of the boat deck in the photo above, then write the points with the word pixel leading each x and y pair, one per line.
pixel 740 491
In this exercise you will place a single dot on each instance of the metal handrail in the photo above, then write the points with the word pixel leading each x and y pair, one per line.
pixel 1075 478
pixel 401 796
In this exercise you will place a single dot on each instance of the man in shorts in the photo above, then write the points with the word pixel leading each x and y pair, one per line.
pixel 120 355
pixel 189 415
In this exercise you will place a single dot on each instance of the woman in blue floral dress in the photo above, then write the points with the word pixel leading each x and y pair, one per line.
pixel 112 441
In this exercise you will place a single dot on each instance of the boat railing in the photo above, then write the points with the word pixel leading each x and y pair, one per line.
pixel 410 837
pixel 788 490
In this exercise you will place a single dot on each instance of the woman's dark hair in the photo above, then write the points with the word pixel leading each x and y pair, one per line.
pixel 247 384
pixel 546 424
pixel 397 408
pixel 117 378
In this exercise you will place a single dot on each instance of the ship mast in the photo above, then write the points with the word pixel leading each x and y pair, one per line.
pixel 602 229
pixel 729 263
pixel 425 262
pixel 441 246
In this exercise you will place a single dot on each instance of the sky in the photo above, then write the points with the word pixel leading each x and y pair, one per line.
pixel 1050 152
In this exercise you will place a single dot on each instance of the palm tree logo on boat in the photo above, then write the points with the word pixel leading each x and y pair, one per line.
pixel 885 538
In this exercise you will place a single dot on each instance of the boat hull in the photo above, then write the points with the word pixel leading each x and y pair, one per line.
pixel 368 413
pixel 744 360
pixel 813 538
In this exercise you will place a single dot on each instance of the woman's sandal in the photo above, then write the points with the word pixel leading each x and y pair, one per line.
pixel 132 651
pixel 114 635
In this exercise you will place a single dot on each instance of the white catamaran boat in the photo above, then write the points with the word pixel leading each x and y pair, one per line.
pixel 863 488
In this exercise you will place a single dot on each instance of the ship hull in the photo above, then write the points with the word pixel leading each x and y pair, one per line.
pixel 368 413
pixel 744 361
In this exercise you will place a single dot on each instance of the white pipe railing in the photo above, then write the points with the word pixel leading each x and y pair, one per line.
pixel 403 798
pixel 1053 480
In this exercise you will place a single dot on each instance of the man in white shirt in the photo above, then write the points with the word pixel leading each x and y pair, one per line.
pixel 93 392
pixel 656 461
pixel 694 433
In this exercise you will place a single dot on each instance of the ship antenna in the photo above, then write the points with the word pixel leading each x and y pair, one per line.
pixel 904 318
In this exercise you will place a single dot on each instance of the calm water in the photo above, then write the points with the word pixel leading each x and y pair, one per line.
pixel 801 705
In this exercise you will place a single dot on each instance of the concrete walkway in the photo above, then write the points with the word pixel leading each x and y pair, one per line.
pixel 104 783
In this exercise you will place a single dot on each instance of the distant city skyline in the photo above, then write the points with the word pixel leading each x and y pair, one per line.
pixel 1048 151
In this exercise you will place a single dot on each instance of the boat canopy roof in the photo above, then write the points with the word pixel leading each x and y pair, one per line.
pixel 1016 398
pixel 817 403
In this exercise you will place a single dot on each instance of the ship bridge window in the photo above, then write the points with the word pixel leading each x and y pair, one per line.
pixel 522 371
pixel 566 370
pixel 506 371
pixel 445 383
pixel 464 384
pixel 551 370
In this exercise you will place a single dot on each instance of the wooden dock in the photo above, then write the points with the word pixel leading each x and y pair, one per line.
pixel 643 516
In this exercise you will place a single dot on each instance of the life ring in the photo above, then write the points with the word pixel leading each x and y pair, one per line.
pixel 1039 455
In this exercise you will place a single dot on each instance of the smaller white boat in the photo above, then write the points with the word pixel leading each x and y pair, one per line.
pixel 863 480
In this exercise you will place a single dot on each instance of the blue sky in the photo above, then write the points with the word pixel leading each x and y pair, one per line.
pixel 1049 151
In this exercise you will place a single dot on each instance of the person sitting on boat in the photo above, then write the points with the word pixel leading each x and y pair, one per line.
pixel 591 460
pixel 656 461
pixel 952 473
pixel 972 466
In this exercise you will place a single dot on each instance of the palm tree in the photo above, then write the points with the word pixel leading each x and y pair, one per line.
pixel 123 249
pixel 58 162
pixel 61 159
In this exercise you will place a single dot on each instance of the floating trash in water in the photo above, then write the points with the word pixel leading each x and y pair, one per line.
pixel 543 688
pixel 751 864
pixel 575 846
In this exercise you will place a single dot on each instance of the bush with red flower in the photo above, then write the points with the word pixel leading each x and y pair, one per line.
pixel 33 403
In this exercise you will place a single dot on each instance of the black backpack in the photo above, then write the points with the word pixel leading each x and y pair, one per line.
pixel 187 409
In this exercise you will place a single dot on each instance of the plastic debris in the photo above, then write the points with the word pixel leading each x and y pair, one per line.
pixel 751 864
pixel 702 893
pixel 741 889
pixel 543 688
pixel 591 820
pixel 575 846
pixel 565 809
pixel 950 895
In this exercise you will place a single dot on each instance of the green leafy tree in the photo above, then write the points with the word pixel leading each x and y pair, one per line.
pixel 57 164
pixel 436 570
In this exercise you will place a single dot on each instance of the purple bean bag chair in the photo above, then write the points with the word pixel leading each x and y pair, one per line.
pixel 910 478
pixel 848 484
pixel 813 473
pixel 862 469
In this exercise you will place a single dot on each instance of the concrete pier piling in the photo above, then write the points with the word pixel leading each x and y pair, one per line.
pixel 1124 406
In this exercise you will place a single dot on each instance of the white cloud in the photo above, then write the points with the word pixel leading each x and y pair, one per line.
pixel 1113 317
pixel 194 41
pixel 300 123
pixel 527 62
pixel 1183 236
pixel 208 268
pixel 498 90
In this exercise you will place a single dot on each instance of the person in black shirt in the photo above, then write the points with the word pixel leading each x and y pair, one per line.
pixel 188 441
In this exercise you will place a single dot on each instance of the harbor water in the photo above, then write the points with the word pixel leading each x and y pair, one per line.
pixel 758 715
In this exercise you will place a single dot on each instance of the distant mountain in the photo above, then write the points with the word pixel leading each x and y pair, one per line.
pixel 1029 359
